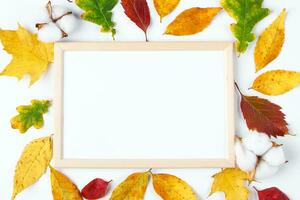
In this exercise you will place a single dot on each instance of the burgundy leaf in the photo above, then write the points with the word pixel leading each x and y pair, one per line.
pixel 272 193
pixel 95 189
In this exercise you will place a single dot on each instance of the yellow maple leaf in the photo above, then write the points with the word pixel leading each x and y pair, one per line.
pixel 32 164
pixel 170 187
pixel 62 187
pixel 231 181
pixel 270 42
pixel 165 7
pixel 276 82
pixel 30 56
pixel 132 188
pixel 192 21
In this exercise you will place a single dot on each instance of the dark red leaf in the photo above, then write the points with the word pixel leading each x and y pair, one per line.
pixel 95 189
pixel 272 193
pixel 138 12
pixel 263 116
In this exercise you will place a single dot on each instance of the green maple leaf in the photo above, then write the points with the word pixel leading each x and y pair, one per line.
pixel 99 12
pixel 30 115
pixel 247 14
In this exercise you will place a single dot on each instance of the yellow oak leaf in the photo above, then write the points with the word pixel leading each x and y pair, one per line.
pixel 192 21
pixel 62 187
pixel 231 181
pixel 30 56
pixel 170 187
pixel 132 188
pixel 32 164
pixel 270 42
pixel 165 7
pixel 276 82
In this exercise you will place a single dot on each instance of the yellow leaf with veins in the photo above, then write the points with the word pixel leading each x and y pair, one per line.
pixel 133 188
pixel 276 82
pixel 30 56
pixel 169 187
pixel 270 42
pixel 232 182
pixel 192 21
pixel 165 7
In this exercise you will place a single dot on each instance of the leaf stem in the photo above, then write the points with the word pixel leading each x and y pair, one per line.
pixel 238 88
pixel 146 37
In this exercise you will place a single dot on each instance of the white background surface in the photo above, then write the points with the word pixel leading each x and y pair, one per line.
pixel 15 93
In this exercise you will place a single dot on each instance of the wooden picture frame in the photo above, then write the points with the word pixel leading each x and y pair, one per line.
pixel 58 148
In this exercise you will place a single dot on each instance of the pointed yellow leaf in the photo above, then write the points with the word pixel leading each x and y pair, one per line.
pixel 30 56
pixel 165 7
pixel 232 182
pixel 192 21
pixel 276 82
pixel 62 187
pixel 133 188
pixel 270 42
pixel 170 187
pixel 32 164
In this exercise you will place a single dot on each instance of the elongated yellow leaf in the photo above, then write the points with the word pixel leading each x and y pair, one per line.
pixel 62 187
pixel 32 164
pixel 270 42
pixel 165 7
pixel 232 183
pixel 30 56
pixel 170 187
pixel 191 21
pixel 133 188
pixel 276 82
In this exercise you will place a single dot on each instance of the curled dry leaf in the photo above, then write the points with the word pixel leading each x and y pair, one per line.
pixel 247 14
pixel 276 82
pixel 138 12
pixel 263 116
pixel 95 189
pixel 231 181
pixel 32 164
pixel 272 193
pixel 30 115
pixel 270 42
pixel 170 187
pixel 30 56
pixel 192 21
pixel 62 187
pixel 133 188
pixel 165 7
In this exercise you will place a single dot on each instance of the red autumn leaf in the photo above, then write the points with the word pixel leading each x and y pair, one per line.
pixel 95 189
pixel 272 193
pixel 263 116
pixel 138 12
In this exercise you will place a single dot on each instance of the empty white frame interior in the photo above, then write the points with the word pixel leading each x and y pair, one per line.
pixel 144 105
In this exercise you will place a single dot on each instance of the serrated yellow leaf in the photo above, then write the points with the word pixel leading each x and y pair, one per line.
pixel 192 21
pixel 32 164
pixel 170 187
pixel 276 82
pixel 270 42
pixel 165 7
pixel 231 181
pixel 133 188
pixel 30 56
pixel 62 187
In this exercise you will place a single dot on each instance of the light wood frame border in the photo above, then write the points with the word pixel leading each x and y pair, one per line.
pixel 58 158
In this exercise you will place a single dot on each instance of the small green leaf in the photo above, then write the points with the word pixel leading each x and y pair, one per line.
pixel 30 115
pixel 99 12
pixel 247 14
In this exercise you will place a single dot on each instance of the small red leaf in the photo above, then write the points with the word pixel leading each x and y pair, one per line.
pixel 95 189
pixel 263 116
pixel 138 12
pixel 272 193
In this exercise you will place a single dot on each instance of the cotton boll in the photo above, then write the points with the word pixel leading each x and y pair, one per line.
pixel 49 33
pixel 245 159
pixel 58 11
pixel 67 23
pixel 264 170
pixel 258 143
pixel 275 156
pixel 216 196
